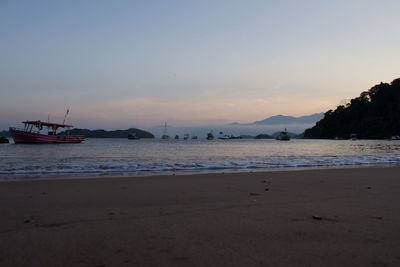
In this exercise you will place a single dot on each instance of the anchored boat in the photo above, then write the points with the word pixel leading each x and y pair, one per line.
pixel 32 133
pixel 283 136
pixel 165 136
pixel 133 136
pixel 4 140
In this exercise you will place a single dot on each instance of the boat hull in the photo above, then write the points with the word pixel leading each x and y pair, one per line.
pixel 23 137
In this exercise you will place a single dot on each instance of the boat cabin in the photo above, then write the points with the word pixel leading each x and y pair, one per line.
pixel 51 127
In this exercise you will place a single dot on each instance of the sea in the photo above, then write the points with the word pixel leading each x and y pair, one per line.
pixel 123 157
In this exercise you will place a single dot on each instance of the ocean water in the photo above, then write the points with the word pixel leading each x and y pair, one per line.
pixel 120 157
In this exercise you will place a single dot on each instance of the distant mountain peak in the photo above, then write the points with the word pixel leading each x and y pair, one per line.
pixel 283 119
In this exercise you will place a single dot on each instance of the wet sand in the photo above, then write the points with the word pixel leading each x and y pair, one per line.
pixel 336 217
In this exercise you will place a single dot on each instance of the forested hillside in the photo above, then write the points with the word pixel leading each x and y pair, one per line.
pixel 375 114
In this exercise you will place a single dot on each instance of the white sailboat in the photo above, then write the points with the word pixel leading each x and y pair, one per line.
pixel 165 136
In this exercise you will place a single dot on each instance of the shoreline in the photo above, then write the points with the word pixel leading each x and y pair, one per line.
pixel 304 218
pixel 79 176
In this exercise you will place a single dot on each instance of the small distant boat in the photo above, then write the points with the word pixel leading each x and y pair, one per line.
pixel 210 136
pixel 186 137
pixel 353 137
pixel 225 137
pixel 176 137
pixel 31 134
pixel 133 136
pixel 229 137
pixel 283 136
pixel 194 137
pixel 395 137
pixel 165 136
pixel 4 140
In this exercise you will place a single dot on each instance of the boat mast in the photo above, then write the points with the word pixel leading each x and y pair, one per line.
pixel 165 128
pixel 65 117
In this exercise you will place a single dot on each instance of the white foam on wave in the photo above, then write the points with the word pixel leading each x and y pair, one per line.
pixel 126 166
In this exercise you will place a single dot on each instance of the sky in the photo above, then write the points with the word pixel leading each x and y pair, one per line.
pixel 120 64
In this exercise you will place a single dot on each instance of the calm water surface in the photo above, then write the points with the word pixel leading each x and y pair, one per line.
pixel 99 157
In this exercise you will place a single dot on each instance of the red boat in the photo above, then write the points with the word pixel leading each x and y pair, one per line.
pixel 31 134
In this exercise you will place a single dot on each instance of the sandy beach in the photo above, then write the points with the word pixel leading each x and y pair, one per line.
pixel 334 217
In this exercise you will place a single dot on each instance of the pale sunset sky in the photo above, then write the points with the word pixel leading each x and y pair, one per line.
pixel 119 64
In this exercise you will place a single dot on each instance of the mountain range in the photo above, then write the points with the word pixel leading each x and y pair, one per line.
pixel 268 126
pixel 282 120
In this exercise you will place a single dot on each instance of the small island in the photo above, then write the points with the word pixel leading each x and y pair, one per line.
pixel 110 134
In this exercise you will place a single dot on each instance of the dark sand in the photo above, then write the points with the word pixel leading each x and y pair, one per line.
pixel 336 217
